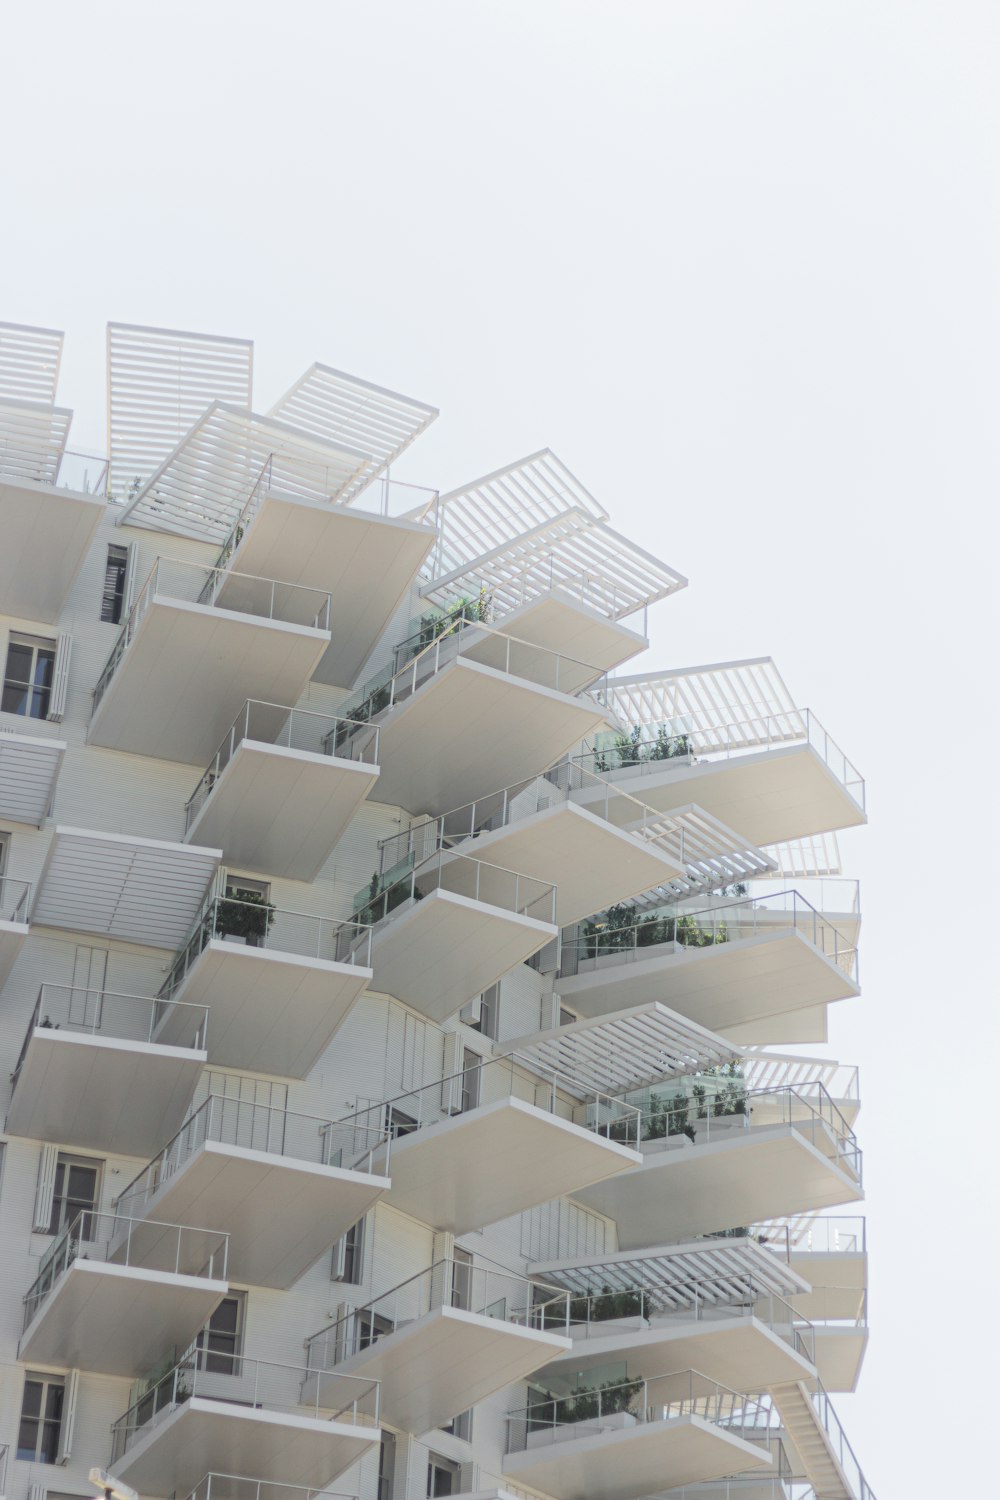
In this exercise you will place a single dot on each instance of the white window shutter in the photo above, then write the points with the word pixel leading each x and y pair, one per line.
pixel 466 1478
pixel 68 1417
pixel 342 1340
pixel 60 678
pixel 451 1086
pixel 45 1189
pixel 472 1012
pixel 37 1491
pixel 131 570
pixel 339 1262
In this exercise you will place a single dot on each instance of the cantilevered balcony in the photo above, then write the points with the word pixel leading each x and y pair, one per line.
pixel 446 929
pixel 29 770
pixel 235 1487
pixel 269 1179
pixel 91 1075
pixel 708 1165
pixel 222 1412
pixel 117 1295
pixel 724 965
pixel 278 983
pixel 274 797
pixel 199 642
pixel 634 1438
pixel 541 1135
pixel 831 1254
pixel 766 1071
pixel 467 712
pixel 15 905
pixel 445 1339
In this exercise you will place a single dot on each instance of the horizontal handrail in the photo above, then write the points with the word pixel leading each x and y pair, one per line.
pixel 118 1239
pixel 845 1455
pixel 15 899
pixel 216 1486
pixel 825 1234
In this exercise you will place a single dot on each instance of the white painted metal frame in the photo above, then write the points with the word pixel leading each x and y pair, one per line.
pixel 816 857
pixel 721 1266
pixel 29 362
pixel 32 441
pixel 711 704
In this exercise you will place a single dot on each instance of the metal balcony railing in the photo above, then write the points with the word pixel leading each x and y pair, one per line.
pixel 622 1404
pixel 105 1013
pixel 236 1487
pixel 833 1234
pixel 845 1455
pixel 491 1080
pixel 254 1127
pixel 601 941
pixel 15 899
pixel 266 598
pixel 765 1070
pixel 257 1383
pixel 488 1290
pixel 288 729
pixel 257 924
pixel 116 1239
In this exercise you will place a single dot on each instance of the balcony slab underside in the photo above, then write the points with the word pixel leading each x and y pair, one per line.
pixel 574 630
pixel 770 796
pixel 188 671
pixel 591 863
pixel 838 1282
pixel 103 1093
pixel 686 1190
pixel 719 986
pixel 738 1351
pixel 12 936
pixel 840 1353
pixel 470 729
pixel 789 1028
pixel 281 1213
pixel 489 1163
pixel 622 1463
pixel 269 1011
pixel 117 1319
pixel 47 533
pixel 281 811
pixel 204 1436
pixel 29 768
pixel 437 954
pixel 447 1360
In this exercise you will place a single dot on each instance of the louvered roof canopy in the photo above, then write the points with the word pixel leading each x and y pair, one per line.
pixel 719 1267
pixel 160 381
pixel 627 1050
pixel 32 441
pixel 531 528
pixel 807 858
pixel 138 890
pixel 723 705
pixel 29 362
pixel 203 487
pixel 29 768
pixel 710 853
pixel 353 414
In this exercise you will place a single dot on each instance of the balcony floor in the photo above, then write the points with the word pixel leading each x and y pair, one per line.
pixel 118 1320
pixel 840 1353
pixel 47 533
pixel 188 671
pixel 102 1093
pixel 281 811
pixel 687 1190
pixel 269 1011
pixel 489 1163
pixel 839 1281
pixel 557 622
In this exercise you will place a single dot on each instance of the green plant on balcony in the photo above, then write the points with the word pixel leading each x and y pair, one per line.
pixel 668 1117
pixel 606 1305
pixel 248 915
pixel 599 1401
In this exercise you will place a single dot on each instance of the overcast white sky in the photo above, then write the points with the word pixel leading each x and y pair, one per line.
pixel 737 263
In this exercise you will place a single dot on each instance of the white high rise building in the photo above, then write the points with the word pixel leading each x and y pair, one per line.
pixel 391 982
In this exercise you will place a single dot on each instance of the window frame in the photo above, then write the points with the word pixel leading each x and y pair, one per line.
pixel 35 694
pixel 58 1215
pixel 113 600
pixel 228 1360
pixel 49 1382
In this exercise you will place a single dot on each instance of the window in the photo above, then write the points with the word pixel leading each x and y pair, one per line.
pixel 471 1073
pixel 114 585
pixel 386 1465
pixel 442 1476
pixel 77 1191
pixel 489 1013
pixel 461 1280
pixel 460 1426
pixel 4 850
pixel 349 1254
pixel 27 683
pixel 220 1343
pixel 370 1327
pixel 41 1418
pixel 398 1123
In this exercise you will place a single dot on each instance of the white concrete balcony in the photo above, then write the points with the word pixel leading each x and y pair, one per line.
pixel 274 797
pixel 279 984
pixel 709 1166
pixel 116 1296
pixel 199 642
pixel 444 930
pixel 91 1075
pixel 725 966
pixel 543 1136
pixel 634 1438
pixel 570 619
pixel 29 770
pixel 766 1071
pixel 831 1254
pixel 222 1412
pixel 469 711
pixel 270 1179
pixel 15 905
pixel 236 1487
pixel 775 777
pixel 445 1339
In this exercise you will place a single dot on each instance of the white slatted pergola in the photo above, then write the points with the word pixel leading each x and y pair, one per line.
pixel 347 412
pixel 160 381
pixel 32 441
pixel 203 487
pixel 543 531
pixel 719 1267
pixel 29 769
pixel 725 705
pixel 710 853
pixel 29 362
pixel 807 858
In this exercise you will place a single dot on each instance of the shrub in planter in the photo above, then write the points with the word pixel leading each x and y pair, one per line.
pixel 248 916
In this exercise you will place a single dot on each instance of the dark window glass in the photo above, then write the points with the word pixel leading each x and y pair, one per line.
pixel 41 1416
pixel 220 1343
pixel 113 596
pixel 27 683
pixel 76 1190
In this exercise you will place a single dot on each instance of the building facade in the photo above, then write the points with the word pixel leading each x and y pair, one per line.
pixel 410 1015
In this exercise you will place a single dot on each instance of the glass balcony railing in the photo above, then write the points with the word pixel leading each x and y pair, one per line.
pixel 486 1289
pixel 834 1234
pixel 266 598
pixel 258 924
pixel 262 1385
pixel 287 729
pixel 15 899
pixel 120 1241
pixel 254 1127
